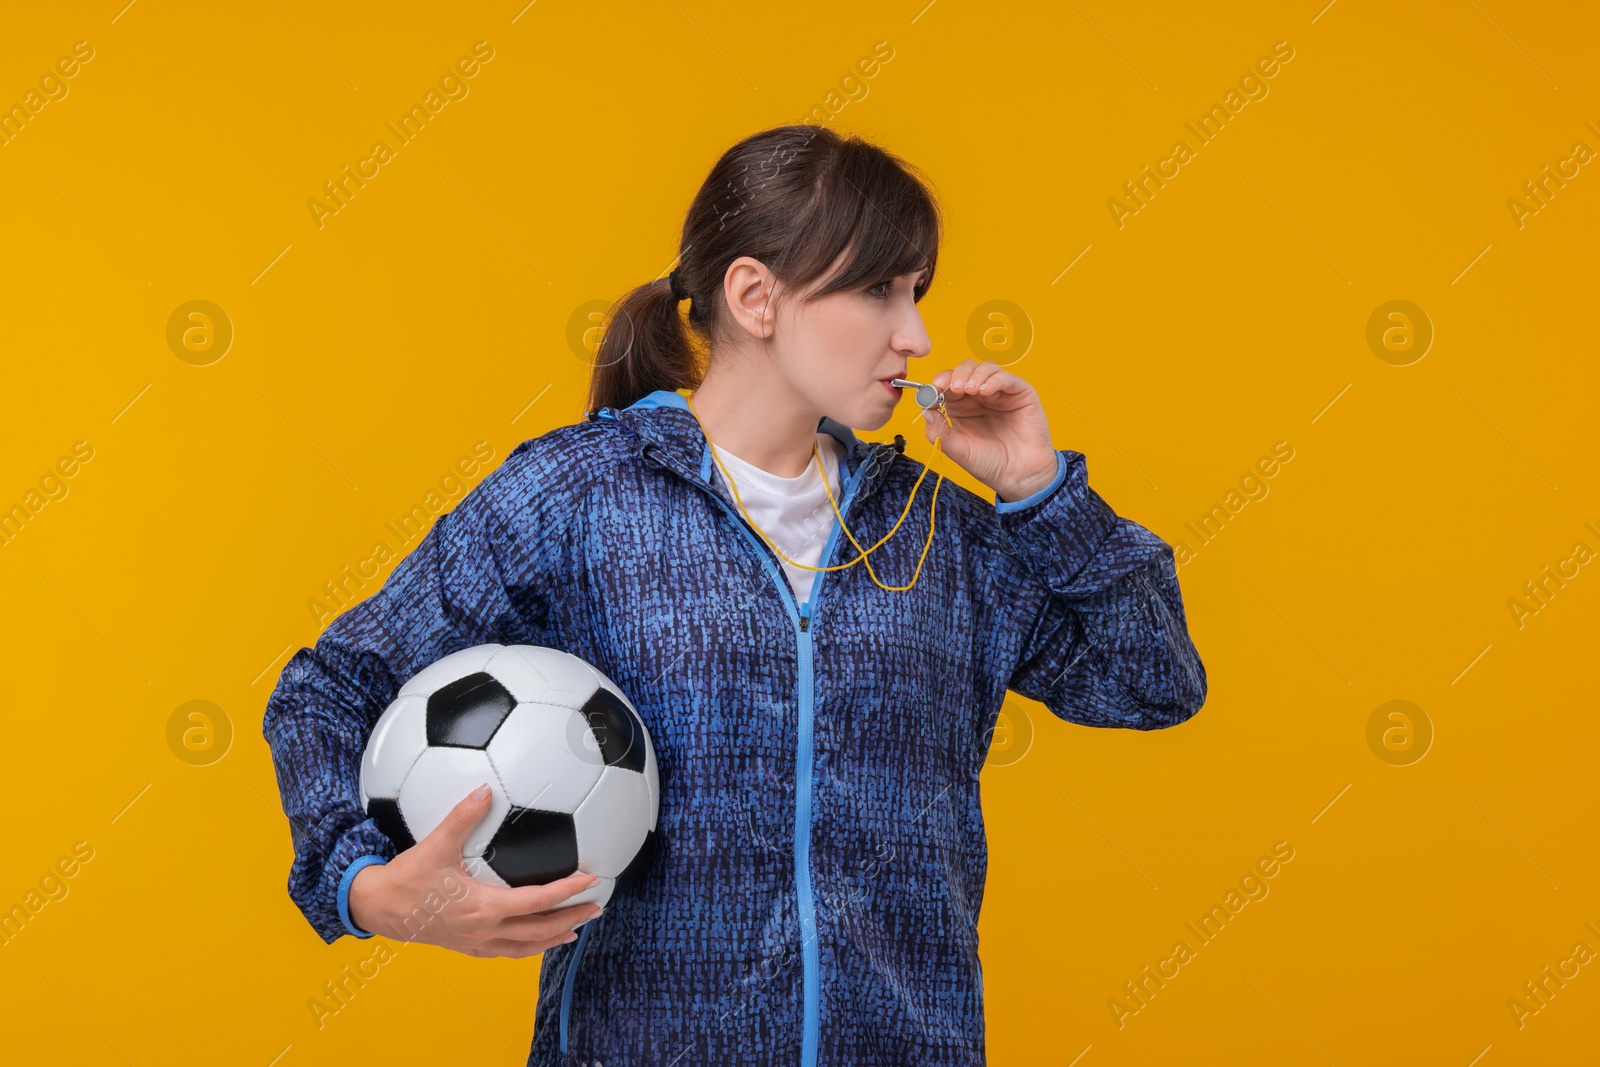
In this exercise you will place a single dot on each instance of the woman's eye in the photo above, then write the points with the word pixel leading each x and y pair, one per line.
pixel 882 289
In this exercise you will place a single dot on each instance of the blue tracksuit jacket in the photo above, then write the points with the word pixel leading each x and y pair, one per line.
pixel 822 857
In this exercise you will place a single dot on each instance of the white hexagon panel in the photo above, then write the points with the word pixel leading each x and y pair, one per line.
pixel 612 822
pixel 534 673
pixel 397 740
pixel 545 758
pixel 441 779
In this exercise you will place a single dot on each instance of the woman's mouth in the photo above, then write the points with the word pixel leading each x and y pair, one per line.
pixel 894 390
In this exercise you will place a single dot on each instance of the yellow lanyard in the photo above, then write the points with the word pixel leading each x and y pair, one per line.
pixel 828 489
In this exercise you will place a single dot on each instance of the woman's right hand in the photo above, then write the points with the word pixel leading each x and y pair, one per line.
pixel 476 918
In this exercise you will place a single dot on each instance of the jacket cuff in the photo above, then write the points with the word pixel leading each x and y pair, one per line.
pixel 344 892
pixel 325 900
pixel 1058 530
pixel 1004 506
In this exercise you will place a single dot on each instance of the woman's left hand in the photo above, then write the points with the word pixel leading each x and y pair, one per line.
pixel 998 430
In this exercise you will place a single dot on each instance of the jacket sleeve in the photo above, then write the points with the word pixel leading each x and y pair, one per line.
pixel 1090 609
pixel 451 592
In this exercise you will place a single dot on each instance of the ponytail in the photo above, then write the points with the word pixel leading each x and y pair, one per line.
pixel 645 347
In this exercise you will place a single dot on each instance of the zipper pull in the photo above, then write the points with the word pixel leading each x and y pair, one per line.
pixel 805 622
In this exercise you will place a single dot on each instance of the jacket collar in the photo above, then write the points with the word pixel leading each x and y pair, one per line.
pixel 672 438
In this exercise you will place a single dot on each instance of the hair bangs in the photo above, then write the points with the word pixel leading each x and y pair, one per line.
pixel 883 222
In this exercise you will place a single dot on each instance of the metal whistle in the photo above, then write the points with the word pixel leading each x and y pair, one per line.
pixel 926 396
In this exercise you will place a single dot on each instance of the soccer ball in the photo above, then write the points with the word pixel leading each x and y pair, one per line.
pixel 569 764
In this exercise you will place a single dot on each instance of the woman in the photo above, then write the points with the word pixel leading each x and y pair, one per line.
pixel 819 718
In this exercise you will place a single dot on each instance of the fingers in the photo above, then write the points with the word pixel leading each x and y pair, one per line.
pixel 509 948
pixel 947 379
pixel 965 378
pixel 452 831
pixel 514 949
pixel 986 378
pixel 550 924
pixel 970 377
pixel 532 899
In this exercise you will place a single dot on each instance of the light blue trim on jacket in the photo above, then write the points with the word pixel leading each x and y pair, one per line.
pixel 671 398
pixel 344 892
pixel 805 758
pixel 661 398
pixel 1003 506
pixel 810 952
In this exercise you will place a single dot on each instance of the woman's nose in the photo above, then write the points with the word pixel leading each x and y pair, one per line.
pixel 913 338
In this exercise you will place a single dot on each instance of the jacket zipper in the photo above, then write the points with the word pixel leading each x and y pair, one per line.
pixel 810 955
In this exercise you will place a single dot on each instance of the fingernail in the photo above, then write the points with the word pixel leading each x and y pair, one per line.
pixel 594 879
pixel 481 793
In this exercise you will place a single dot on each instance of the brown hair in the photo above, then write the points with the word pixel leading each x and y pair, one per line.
pixel 793 197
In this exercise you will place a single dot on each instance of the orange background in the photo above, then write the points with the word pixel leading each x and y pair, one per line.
pixel 445 305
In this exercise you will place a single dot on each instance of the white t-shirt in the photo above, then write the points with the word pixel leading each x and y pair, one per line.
pixel 793 512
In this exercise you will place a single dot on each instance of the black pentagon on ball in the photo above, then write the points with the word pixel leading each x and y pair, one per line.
pixel 467 712
pixel 386 813
pixel 616 729
pixel 533 847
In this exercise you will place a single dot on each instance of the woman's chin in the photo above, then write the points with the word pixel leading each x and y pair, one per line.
pixel 865 417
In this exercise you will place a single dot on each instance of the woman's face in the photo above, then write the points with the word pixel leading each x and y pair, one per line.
pixel 837 354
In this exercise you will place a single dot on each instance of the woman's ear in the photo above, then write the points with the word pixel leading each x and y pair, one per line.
pixel 748 288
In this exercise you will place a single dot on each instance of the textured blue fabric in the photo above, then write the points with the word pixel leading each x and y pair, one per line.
pixel 822 852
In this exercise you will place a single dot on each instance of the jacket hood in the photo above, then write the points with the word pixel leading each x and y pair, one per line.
pixel 671 437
